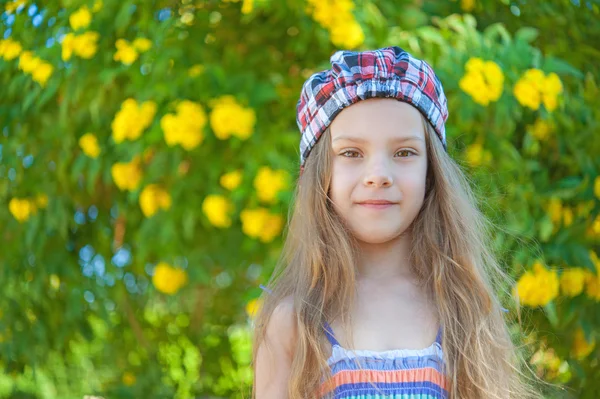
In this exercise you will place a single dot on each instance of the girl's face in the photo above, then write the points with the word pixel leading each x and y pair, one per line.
pixel 379 153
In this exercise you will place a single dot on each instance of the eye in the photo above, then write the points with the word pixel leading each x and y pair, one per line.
pixel 356 152
pixel 351 151
pixel 408 151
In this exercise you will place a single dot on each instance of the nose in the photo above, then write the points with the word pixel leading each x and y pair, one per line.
pixel 378 175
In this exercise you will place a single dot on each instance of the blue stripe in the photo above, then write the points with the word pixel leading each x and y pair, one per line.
pixel 365 388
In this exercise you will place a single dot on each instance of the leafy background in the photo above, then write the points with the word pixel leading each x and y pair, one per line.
pixel 149 150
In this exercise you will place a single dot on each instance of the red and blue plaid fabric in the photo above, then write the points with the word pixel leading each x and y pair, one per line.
pixel 354 76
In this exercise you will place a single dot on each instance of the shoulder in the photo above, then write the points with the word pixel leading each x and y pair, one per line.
pixel 282 327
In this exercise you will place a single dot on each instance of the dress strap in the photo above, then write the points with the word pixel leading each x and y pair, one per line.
pixel 438 337
pixel 330 335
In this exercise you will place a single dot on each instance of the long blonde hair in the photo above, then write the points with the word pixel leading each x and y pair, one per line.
pixel 452 258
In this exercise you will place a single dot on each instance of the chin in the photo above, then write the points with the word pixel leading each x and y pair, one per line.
pixel 377 235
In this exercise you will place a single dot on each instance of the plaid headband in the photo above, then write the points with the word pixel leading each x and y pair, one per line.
pixel 354 76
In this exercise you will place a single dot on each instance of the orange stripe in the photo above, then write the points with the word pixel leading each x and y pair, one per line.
pixel 381 376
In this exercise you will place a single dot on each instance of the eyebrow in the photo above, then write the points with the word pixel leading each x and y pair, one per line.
pixel 394 140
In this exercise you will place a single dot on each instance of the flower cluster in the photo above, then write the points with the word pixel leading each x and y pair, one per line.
pixel 247 5
pixel 127 175
pixel 260 223
pixel 10 49
pixel 23 208
pixel 537 287
pixel 483 80
pixel 540 129
pixel 185 126
pixel 39 69
pixel 132 119
pixel 217 209
pixel 476 155
pixel 168 279
pixel 89 144
pixel 230 118
pixel 336 16
pixel 85 44
pixel 128 52
pixel 231 180
pixel 268 183
pixel 153 198
pixel 534 87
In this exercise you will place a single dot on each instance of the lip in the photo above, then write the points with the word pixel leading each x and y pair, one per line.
pixel 377 204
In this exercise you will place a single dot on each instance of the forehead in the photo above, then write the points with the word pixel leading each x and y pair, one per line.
pixel 378 119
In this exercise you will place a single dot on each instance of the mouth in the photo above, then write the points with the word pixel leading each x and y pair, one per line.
pixel 377 204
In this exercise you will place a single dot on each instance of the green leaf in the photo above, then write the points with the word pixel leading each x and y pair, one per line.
pixel 526 34
pixel 545 228
pixel 550 310
pixel 561 67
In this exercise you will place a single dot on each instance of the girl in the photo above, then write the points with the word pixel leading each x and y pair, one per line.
pixel 386 283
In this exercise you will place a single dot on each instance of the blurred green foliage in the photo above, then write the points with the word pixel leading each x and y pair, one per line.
pixel 84 309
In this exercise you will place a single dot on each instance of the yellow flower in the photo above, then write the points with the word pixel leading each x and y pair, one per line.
pixel 21 208
pixel 132 119
pixel 597 187
pixel 572 281
pixel 581 347
pixel 253 306
pixel 195 70
pixel 127 175
pixel 268 183
pixel 84 45
pixel 347 34
pixel 41 200
pixel 142 44
pixel 89 144
pixel 230 118
pixel 537 287
pixel 128 378
pixel 555 209
pixel 272 227
pixel 168 279
pixel 592 285
pixel 28 62
pixel 97 6
pixel 12 6
pixel 483 80
pixel 337 18
pixel 42 73
pixel 67 46
pixel 467 5
pixel 217 209
pixel 126 53
pixel 81 18
pixel 10 49
pixel 185 126
pixel 475 155
pixel 594 229
pixel 153 198
pixel 231 180
pixel 540 129
pixel 567 216
pixel 259 223
pixel 247 6
pixel 534 87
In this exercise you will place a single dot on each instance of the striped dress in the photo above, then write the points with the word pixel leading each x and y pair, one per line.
pixel 394 374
